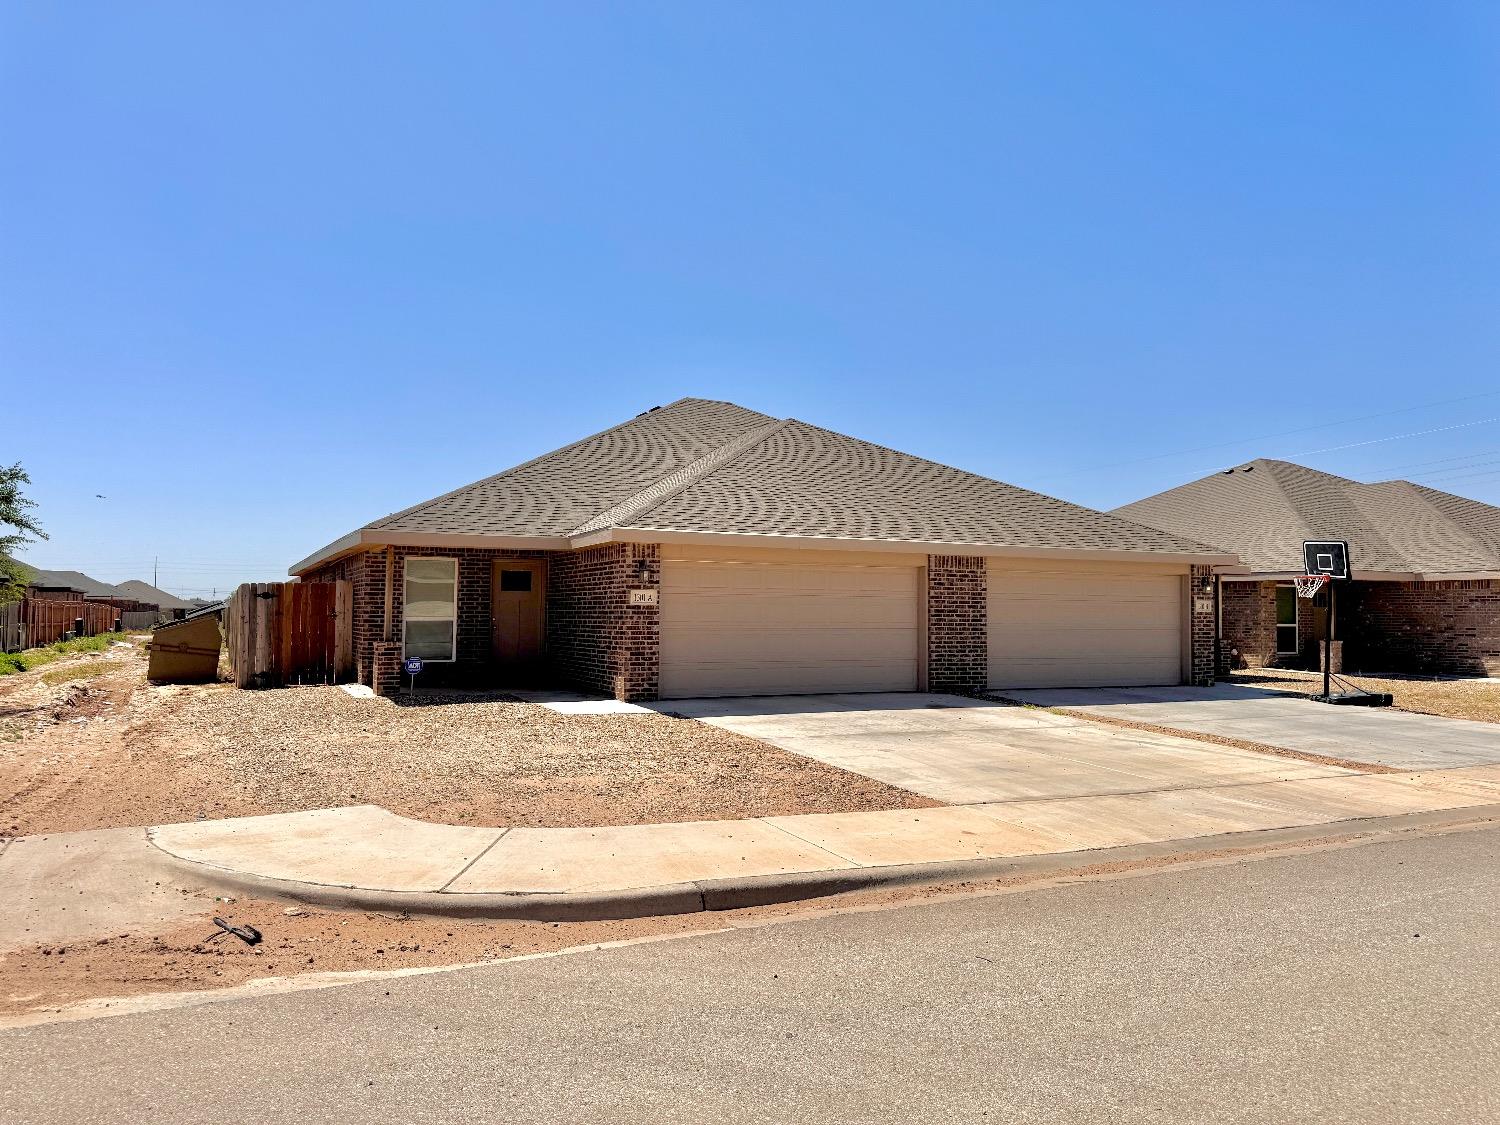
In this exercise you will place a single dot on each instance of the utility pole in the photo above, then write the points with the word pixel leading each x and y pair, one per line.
pixel 154 563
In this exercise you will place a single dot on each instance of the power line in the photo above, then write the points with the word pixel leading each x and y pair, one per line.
pixel 1268 437
pixel 1460 476
pixel 1456 470
pixel 1396 437
pixel 1436 461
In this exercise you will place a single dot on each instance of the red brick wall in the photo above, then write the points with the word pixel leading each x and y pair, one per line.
pixel 472 630
pixel 957 624
pixel 1248 636
pixel 594 639
pixel 1422 627
pixel 1202 626
pixel 597 640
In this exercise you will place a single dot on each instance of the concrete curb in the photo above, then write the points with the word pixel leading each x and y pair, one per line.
pixel 768 890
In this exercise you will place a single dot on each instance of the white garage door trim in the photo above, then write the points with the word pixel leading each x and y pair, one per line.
pixel 1084 627
pixel 743 627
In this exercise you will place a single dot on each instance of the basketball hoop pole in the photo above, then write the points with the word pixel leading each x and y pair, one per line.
pixel 1328 643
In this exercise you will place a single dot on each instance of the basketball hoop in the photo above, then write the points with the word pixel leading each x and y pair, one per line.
pixel 1308 585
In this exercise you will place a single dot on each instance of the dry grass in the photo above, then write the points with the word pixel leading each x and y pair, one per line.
pixel 112 751
pixel 1454 699
pixel 83 670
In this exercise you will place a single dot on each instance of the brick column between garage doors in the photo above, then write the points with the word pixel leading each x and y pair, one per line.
pixel 1201 626
pixel 957 624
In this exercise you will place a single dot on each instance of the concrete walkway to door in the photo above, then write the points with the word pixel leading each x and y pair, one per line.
pixel 968 751
pixel 1378 736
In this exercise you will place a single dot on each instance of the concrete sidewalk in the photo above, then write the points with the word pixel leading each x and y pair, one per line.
pixel 365 857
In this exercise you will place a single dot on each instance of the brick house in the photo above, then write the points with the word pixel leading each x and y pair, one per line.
pixel 1425 590
pixel 705 549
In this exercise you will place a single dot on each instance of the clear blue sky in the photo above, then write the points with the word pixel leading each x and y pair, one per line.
pixel 270 271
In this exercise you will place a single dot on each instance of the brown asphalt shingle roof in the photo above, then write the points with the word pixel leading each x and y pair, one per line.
pixel 143 591
pixel 1263 510
pixel 703 466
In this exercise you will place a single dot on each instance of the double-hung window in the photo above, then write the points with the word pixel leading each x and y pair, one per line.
pixel 1286 620
pixel 430 619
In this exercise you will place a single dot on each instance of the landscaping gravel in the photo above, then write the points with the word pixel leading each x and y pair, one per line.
pixel 118 752
pixel 1454 699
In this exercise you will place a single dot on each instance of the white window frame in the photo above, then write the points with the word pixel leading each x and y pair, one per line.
pixel 1295 624
pixel 453 617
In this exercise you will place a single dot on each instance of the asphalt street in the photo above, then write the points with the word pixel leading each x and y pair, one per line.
pixel 1355 985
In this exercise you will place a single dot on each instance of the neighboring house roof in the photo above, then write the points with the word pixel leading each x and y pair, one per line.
pixel 71 580
pixel 700 467
pixel 1263 510
pixel 143 591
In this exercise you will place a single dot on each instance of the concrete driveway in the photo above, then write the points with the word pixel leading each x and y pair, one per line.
pixel 1379 736
pixel 967 751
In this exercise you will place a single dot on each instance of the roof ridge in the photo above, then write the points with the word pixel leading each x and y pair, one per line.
pixel 677 481
pixel 385 519
pixel 1345 489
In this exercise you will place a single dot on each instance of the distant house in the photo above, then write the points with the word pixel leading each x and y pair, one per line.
pixel 65 585
pixel 1425 589
pixel 169 604
pixel 137 604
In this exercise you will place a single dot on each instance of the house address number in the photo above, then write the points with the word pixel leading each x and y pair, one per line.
pixel 1203 605
pixel 644 597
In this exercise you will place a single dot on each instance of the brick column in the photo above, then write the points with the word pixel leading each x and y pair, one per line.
pixel 957 624
pixel 1201 627
pixel 638 644
pixel 387 667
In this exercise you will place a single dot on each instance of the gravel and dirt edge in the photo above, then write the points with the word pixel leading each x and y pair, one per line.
pixel 132 964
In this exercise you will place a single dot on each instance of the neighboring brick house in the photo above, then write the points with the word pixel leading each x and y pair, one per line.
pixel 705 549
pixel 1425 590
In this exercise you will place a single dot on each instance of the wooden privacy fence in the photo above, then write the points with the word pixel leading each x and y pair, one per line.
pixel 33 622
pixel 10 627
pixel 290 633
pixel 139 618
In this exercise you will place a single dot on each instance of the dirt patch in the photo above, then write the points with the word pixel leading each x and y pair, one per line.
pixel 111 750
pixel 1478 700
pixel 186 957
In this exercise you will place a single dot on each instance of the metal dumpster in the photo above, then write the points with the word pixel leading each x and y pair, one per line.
pixel 187 651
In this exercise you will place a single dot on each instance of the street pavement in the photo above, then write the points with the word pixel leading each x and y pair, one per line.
pixel 1349 985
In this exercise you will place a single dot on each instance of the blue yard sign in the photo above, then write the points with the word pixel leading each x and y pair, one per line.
pixel 413 665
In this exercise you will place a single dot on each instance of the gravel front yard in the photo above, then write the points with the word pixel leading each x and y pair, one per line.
pixel 108 750
pixel 1454 699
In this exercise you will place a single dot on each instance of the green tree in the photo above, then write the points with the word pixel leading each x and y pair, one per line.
pixel 16 529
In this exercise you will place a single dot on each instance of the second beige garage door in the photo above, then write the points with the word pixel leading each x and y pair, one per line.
pixel 755 628
pixel 1084 627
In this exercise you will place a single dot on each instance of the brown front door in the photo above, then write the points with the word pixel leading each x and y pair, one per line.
pixel 517 616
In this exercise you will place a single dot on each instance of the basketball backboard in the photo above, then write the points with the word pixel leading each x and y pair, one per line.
pixel 1326 556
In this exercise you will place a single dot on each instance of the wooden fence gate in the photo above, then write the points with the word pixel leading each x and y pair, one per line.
pixel 280 633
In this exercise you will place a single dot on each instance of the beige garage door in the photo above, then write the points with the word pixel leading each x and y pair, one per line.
pixel 754 628
pixel 1088 628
